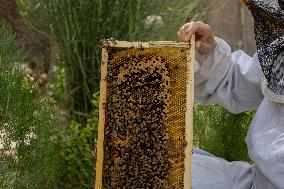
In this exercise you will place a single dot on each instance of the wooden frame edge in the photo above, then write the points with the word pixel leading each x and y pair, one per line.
pixel 189 102
pixel 100 142
pixel 189 115
pixel 152 44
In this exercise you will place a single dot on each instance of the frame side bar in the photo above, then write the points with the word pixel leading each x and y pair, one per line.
pixel 189 114
pixel 101 126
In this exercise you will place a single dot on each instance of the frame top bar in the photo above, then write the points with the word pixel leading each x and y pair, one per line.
pixel 108 43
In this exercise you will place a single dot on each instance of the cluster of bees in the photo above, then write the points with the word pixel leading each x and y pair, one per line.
pixel 138 146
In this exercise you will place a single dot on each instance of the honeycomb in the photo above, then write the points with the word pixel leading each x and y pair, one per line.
pixel 144 129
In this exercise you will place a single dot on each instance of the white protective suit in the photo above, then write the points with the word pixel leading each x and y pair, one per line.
pixel 233 80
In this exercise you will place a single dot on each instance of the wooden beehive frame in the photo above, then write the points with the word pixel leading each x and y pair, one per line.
pixel 189 101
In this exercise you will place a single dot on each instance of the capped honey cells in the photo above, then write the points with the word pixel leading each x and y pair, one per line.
pixel 144 111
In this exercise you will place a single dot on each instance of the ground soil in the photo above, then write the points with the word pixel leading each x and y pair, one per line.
pixel 9 14
pixel 37 50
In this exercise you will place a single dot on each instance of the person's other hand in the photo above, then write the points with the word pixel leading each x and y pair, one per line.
pixel 205 41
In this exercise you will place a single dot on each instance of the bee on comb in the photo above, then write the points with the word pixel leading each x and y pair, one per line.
pixel 145 123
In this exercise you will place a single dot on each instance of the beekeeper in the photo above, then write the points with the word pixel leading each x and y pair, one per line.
pixel 241 83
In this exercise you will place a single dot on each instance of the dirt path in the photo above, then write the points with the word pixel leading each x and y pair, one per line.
pixel 36 48
pixel 9 14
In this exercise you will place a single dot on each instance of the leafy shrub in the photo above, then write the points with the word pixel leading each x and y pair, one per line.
pixel 28 157
pixel 78 147
pixel 221 133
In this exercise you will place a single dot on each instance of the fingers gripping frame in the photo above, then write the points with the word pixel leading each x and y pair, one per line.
pixel 145 115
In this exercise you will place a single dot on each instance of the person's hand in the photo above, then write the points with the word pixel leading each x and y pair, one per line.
pixel 205 41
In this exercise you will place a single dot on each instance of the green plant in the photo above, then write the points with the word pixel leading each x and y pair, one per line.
pixel 57 86
pixel 28 156
pixel 78 149
pixel 220 132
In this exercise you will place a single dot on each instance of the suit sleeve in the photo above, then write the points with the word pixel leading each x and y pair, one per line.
pixel 232 80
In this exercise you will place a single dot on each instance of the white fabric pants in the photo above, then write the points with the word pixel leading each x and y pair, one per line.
pixel 211 172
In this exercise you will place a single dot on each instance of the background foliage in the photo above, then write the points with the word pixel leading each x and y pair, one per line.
pixel 221 133
pixel 28 157
pixel 78 147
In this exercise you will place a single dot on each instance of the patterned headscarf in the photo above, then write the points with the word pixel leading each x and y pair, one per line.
pixel 269 34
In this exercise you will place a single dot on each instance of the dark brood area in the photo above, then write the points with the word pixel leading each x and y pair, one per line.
pixel 137 139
